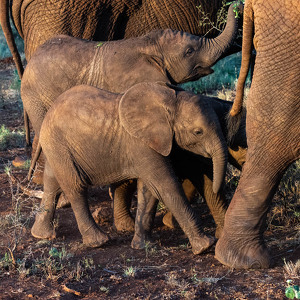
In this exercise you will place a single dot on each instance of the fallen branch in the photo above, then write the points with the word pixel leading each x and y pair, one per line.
pixel 66 289
pixel 27 191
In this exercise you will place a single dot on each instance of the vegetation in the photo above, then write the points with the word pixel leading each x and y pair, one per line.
pixel 10 138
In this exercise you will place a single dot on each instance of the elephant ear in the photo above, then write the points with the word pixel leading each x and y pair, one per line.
pixel 145 112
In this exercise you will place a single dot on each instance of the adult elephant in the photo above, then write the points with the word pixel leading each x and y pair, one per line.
pixel 39 20
pixel 272 127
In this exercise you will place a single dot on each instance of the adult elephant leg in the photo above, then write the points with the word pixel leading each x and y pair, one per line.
pixel 144 219
pixel 190 192
pixel 43 226
pixel 122 195
pixel 241 244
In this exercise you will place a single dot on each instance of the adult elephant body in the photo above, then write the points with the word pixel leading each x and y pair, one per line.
pixel 39 20
pixel 272 126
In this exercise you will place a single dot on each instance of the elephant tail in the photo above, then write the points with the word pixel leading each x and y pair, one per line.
pixel 34 160
pixel 7 31
pixel 247 46
pixel 236 125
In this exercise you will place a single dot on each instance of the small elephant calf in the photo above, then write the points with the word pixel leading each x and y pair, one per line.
pixel 94 137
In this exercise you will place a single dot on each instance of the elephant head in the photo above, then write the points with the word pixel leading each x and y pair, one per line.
pixel 175 115
pixel 186 57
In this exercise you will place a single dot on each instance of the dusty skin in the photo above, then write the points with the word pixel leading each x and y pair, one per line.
pixel 167 270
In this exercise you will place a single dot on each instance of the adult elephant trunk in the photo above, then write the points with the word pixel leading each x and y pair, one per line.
pixel 217 47
pixel 219 157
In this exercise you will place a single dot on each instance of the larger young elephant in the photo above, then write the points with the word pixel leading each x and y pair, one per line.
pixel 99 20
pixel 40 20
pixel 93 137
pixel 272 126
pixel 163 55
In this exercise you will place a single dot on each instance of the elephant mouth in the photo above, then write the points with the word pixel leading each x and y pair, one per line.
pixel 197 73
pixel 192 147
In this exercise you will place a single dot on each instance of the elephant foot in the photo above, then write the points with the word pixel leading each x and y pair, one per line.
pixel 94 237
pixel 139 242
pixel 125 224
pixel 63 202
pixel 201 244
pixel 232 253
pixel 169 220
pixel 42 229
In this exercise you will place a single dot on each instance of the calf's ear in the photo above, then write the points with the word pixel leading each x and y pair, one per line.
pixel 145 113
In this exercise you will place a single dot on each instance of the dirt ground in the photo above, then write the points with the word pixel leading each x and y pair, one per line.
pixel 64 269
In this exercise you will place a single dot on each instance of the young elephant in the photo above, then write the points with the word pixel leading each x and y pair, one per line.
pixel 196 174
pixel 164 55
pixel 94 137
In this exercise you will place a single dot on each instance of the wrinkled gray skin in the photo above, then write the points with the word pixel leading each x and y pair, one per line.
pixel 273 127
pixel 103 20
pixel 93 137
pixel 164 55
pixel 197 173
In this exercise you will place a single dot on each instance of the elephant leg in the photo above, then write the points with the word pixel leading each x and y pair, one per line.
pixel 38 176
pixel 144 219
pixel 190 192
pixel 216 204
pixel 43 226
pixel 171 193
pixel 241 244
pixel 91 234
pixel 39 170
pixel 122 195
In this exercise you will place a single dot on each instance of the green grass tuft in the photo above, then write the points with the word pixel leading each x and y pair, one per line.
pixel 11 139
pixel 225 76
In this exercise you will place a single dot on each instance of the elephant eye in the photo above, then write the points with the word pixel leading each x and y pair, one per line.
pixel 198 132
pixel 189 51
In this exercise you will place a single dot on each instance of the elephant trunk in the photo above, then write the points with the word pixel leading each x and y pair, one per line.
pixel 219 157
pixel 216 47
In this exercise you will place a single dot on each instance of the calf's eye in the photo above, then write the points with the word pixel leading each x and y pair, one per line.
pixel 198 132
pixel 189 51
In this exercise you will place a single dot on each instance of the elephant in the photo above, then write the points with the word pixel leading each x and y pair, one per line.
pixel 272 127
pixel 39 20
pixel 196 173
pixel 94 137
pixel 163 55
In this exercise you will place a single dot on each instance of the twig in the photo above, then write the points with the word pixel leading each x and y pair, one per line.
pixel 11 255
pixel 65 288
